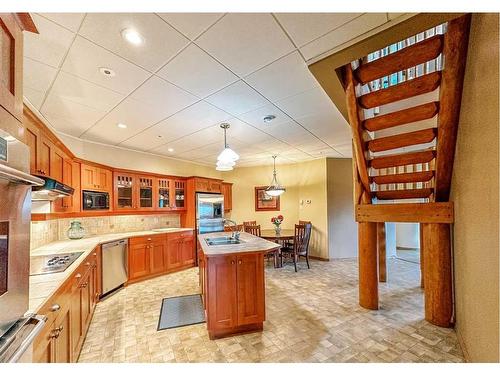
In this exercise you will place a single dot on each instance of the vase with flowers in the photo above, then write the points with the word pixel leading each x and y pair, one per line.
pixel 277 222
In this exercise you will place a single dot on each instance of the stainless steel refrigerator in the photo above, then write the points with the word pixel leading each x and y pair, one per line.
pixel 209 213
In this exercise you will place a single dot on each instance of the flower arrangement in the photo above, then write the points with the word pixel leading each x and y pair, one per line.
pixel 277 222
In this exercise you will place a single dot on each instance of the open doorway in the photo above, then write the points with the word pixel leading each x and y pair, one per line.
pixel 403 241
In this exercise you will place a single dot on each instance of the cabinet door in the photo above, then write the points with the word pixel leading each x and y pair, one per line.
pixel 146 192
pixel 222 303
pixel 45 155
pixel 178 194
pixel 202 185
pixel 65 204
pixel 44 345
pixel 62 349
pixel 32 137
pixel 157 251
pixel 56 164
pixel 214 186
pixel 174 255
pixel 139 263
pixel 164 187
pixel 125 191
pixel 86 301
pixel 93 285
pixel 88 177
pixel 250 281
pixel 187 250
pixel 76 316
pixel 75 184
pixel 104 179
pixel 227 191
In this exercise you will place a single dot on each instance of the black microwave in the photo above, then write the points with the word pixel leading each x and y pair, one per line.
pixel 95 200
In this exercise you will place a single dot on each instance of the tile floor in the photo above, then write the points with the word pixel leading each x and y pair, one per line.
pixel 312 316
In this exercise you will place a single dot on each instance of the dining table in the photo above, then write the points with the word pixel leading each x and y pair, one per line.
pixel 283 236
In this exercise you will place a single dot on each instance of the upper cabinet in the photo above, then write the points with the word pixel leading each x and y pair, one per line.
pixel 125 185
pixel 170 194
pixel 207 185
pixel 227 191
pixel 146 192
pixel 96 178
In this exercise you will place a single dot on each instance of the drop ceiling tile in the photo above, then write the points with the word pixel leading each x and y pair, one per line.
pixel 283 78
pixel 195 71
pixel 245 42
pixel 191 24
pixel 70 21
pixel 343 34
pixel 85 58
pixel 308 102
pixel 240 132
pixel 37 76
pixel 326 125
pixel 50 45
pixel 291 133
pixel 161 94
pixel 305 27
pixel 84 92
pixel 237 98
pixel 345 150
pixel 68 116
pixel 256 117
pixel 137 115
pixel 161 41
pixel 35 97
pixel 272 145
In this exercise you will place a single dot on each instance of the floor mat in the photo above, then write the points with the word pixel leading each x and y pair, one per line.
pixel 181 311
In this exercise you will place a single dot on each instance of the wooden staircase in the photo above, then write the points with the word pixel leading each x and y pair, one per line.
pixel 403 109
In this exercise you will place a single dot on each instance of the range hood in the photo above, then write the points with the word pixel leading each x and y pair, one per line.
pixel 51 190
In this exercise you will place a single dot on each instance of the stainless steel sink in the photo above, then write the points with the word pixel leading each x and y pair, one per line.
pixel 215 241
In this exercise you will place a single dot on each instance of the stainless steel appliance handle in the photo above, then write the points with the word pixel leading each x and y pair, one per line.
pixel 28 340
pixel 19 177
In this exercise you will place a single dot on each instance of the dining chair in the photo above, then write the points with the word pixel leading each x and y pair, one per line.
pixel 245 223
pixel 252 229
pixel 304 222
pixel 231 228
pixel 300 246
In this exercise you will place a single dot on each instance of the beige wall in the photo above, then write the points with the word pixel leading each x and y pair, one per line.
pixel 342 228
pixel 141 161
pixel 475 193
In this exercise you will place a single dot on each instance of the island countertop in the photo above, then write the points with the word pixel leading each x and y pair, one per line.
pixel 249 243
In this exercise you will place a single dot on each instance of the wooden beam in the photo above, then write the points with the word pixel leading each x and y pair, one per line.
pixel 402 159
pixel 404 90
pixel 356 129
pixel 456 41
pixel 402 194
pixel 408 57
pixel 401 178
pixel 26 22
pixel 382 257
pixel 402 140
pixel 367 258
pixel 438 289
pixel 420 231
pixel 406 212
pixel 404 116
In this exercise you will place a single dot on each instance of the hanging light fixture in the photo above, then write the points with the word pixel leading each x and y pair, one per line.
pixel 227 158
pixel 275 189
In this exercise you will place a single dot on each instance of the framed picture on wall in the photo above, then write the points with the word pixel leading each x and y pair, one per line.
pixel 264 202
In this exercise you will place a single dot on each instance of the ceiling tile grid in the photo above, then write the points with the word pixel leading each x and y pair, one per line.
pixel 190 73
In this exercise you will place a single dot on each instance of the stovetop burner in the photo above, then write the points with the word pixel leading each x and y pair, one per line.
pixel 53 263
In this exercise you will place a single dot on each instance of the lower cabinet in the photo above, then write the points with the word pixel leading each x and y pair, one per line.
pixel 162 253
pixel 69 313
pixel 233 293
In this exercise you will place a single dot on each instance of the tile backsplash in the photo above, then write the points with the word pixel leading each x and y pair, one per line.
pixel 43 232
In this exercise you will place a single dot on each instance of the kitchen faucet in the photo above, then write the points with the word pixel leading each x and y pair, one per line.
pixel 236 233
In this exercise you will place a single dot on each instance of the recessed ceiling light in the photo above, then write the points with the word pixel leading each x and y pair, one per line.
pixel 170 149
pixel 132 36
pixel 269 118
pixel 107 72
pixel 122 126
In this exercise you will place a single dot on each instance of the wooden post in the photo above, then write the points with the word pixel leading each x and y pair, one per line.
pixel 421 255
pixel 367 257
pixel 382 269
pixel 437 274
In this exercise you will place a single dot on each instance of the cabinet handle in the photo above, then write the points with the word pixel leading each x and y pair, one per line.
pixel 60 328
pixel 87 264
pixel 77 276
pixel 55 307
pixel 54 334
pixel 84 285
pixel 232 262
pixel 149 239
pixel 239 262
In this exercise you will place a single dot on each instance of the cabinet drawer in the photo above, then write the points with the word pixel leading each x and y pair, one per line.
pixel 57 303
pixel 145 239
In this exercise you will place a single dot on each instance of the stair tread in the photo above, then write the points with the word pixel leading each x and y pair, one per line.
pixel 402 140
pixel 403 194
pixel 397 178
pixel 404 116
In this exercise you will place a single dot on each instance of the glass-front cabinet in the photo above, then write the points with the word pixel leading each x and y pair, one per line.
pixel 146 201
pixel 163 193
pixel 125 184
pixel 180 190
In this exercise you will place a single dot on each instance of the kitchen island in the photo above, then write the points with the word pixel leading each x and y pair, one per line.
pixel 232 282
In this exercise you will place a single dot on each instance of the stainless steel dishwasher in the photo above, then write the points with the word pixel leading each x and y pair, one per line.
pixel 114 265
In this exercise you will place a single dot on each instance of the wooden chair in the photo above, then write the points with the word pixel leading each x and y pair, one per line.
pixel 250 223
pixel 252 229
pixel 231 228
pixel 300 245
pixel 304 222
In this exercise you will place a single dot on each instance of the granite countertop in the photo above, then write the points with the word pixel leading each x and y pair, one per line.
pixel 250 243
pixel 42 287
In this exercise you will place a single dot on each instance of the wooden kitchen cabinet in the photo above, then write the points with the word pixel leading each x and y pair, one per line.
pixel 145 192
pixel 178 195
pixel 56 164
pixel 138 257
pixel 227 191
pixel 234 293
pixel 67 204
pixel 96 178
pixel 158 248
pixel 207 185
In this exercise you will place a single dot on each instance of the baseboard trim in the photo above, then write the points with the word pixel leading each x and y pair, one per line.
pixel 461 342
pixel 319 258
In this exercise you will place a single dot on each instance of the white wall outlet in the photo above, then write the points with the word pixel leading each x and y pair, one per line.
pixel 308 201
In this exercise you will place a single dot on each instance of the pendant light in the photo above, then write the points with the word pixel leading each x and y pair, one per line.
pixel 275 189
pixel 227 158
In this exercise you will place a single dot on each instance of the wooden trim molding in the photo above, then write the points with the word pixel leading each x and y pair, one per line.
pixel 406 213
pixel 26 22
